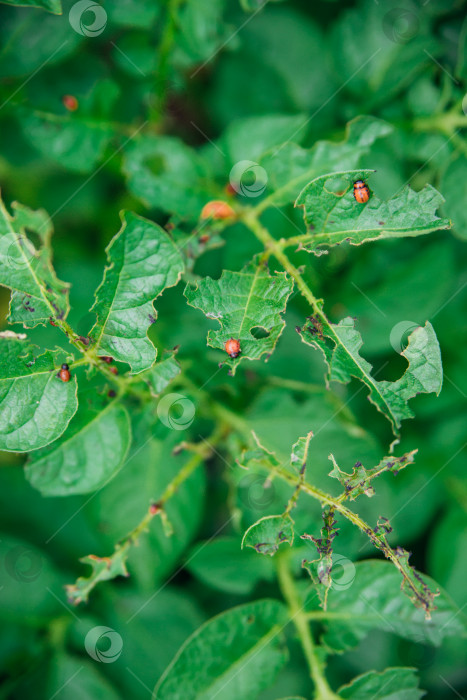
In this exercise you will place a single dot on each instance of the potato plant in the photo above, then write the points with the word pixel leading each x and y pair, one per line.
pixel 232 383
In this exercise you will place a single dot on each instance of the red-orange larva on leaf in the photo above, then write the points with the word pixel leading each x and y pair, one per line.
pixel 232 347
pixel 70 102
pixel 217 209
pixel 64 373
pixel 361 191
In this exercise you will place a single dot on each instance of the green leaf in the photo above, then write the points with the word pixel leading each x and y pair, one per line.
pixel 236 654
pixel 201 31
pixel 376 59
pixel 159 376
pixel 74 142
pixel 167 174
pixel 423 375
pixel 250 139
pixel 242 301
pixel 41 40
pixel 35 405
pixel 333 215
pixel 37 294
pixel 103 569
pixel 143 261
pixel 87 457
pixel 267 534
pixel 54 6
pixel 221 564
pixel 291 166
pixel 359 481
pixel 373 600
pixel 167 624
pixel 390 684
pixel 140 483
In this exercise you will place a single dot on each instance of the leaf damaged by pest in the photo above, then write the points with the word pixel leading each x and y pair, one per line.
pixel 242 301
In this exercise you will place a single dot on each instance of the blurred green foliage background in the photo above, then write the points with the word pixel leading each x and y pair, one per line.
pixel 194 70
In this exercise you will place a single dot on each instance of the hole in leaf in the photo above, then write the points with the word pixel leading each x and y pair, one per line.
pixel 336 185
pixel 259 332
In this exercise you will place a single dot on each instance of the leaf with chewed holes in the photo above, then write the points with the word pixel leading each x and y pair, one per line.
pixel 332 214
pixel 341 343
pixel 103 569
pixel 241 302
pixel 267 534
pixel 291 166
pixel 143 261
pixel 359 481
pixel 37 295
pixel 35 405
pixel 372 599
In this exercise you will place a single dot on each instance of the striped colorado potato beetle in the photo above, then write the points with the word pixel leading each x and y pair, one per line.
pixel 232 347
pixel 361 191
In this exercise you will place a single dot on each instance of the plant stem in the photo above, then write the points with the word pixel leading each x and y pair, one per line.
pixel 299 617
pixel 80 591
pixel 263 235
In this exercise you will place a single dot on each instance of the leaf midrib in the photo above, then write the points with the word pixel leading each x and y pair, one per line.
pixel 242 661
pixel 370 380
pixel 9 221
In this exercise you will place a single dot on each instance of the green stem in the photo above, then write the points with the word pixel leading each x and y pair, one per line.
pixel 299 618
pixel 80 591
pixel 276 248
pixel 263 235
